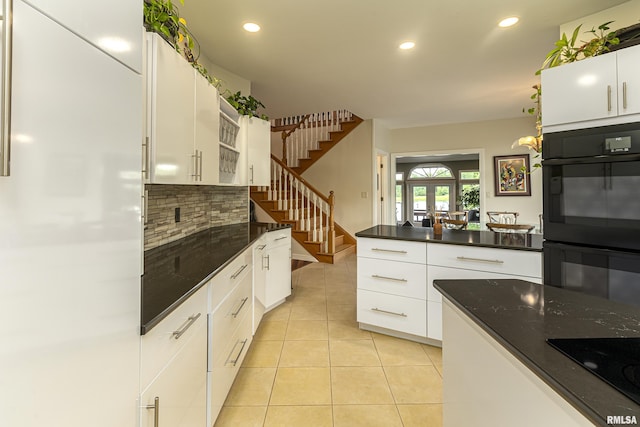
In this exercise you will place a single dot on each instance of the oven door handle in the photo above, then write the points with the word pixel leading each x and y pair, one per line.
pixel 606 158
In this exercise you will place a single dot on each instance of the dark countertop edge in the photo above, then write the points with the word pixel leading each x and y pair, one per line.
pixel 156 320
pixel 367 234
pixel 570 397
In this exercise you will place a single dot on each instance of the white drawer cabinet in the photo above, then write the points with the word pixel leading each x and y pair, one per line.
pixel 278 266
pixel 392 286
pixel 472 262
pixel 223 283
pixel 392 277
pixel 259 281
pixel 393 250
pixel 393 312
pixel 159 345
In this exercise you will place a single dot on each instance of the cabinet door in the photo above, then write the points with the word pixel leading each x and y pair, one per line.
pixel 259 282
pixel 258 150
pixel 580 91
pixel 172 115
pixel 116 29
pixel 180 388
pixel 278 275
pixel 628 80
pixel 207 117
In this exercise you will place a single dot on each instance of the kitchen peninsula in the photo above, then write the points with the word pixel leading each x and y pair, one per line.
pixel 500 369
pixel 397 267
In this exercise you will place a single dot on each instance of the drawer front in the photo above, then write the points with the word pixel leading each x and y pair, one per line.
pixel 224 321
pixel 223 282
pixel 393 312
pixel 393 277
pixel 506 261
pixel 393 250
pixel 279 238
pixel 161 343
pixel 222 373
pixel 441 273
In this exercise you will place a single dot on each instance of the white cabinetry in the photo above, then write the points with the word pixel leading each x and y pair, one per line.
pixel 233 168
pixel 259 281
pixel 116 29
pixel 230 328
pixel 466 262
pixel 182 119
pixel 278 265
pixel 173 367
pixel 257 136
pixel 392 285
pixel 604 88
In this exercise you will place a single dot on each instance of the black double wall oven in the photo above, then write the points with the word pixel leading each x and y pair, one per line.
pixel 591 211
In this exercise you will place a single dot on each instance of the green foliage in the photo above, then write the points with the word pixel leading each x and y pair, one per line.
pixel 471 196
pixel 246 105
pixel 566 50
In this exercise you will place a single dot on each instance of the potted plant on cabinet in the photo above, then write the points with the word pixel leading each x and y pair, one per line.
pixel 246 105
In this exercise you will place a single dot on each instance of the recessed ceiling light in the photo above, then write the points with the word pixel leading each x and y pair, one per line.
pixel 251 27
pixel 407 45
pixel 507 22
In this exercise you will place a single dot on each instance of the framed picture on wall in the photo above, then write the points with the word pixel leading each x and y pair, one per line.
pixel 511 175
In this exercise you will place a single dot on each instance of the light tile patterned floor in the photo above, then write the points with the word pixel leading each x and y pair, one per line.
pixel 310 364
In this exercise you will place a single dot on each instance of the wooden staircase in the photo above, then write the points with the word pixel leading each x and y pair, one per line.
pixel 291 199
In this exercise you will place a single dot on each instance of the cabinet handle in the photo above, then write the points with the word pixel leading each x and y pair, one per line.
pixel 194 175
pixel 268 267
pixel 624 95
pixel 261 247
pixel 190 321
pixel 235 361
pixel 388 312
pixel 491 261
pixel 388 250
pixel 280 238
pixel 251 169
pixel 375 276
pixel 145 163
pixel 244 300
pixel 7 65
pixel 156 411
pixel 608 97
pixel 237 273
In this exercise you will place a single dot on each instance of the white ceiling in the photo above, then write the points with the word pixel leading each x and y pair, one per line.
pixel 315 56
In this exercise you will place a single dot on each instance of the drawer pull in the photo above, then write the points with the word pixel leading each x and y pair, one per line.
pixel 261 247
pixel 490 261
pixel 156 411
pixel 280 238
pixel 375 276
pixel 244 300
pixel 190 321
pixel 388 312
pixel 237 273
pixel 388 250
pixel 235 361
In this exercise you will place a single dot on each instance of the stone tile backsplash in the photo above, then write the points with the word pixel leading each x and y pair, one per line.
pixel 201 207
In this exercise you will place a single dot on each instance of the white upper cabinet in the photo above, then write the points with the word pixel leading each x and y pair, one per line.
pixel 580 91
pixel 629 80
pixel 115 28
pixel 170 114
pixel 604 89
pixel 258 146
pixel 207 116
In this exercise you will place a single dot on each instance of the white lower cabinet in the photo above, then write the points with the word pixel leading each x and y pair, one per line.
pixel 393 312
pixel 259 281
pixel 176 395
pixel 278 266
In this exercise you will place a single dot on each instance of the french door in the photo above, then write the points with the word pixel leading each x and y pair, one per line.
pixel 429 197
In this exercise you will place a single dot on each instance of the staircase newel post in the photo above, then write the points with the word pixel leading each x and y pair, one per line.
pixel 331 232
pixel 284 147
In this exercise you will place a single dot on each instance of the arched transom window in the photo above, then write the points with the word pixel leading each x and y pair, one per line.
pixel 430 171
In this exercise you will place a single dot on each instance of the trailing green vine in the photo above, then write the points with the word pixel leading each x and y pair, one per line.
pixel 246 105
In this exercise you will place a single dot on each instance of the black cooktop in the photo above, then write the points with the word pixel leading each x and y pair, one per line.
pixel 614 360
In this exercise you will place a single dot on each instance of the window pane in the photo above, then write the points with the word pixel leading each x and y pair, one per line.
pixel 399 176
pixel 442 197
pixel 399 202
pixel 469 174
pixel 431 172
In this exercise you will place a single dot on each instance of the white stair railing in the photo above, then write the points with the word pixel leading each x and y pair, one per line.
pixel 311 211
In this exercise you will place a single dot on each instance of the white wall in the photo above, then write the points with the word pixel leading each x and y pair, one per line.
pixel 494 138
pixel 347 169
pixel 230 81
pixel 623 15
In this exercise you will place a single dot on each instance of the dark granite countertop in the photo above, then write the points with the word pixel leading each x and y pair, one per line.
pixel 175 271
pixel 491 239
pixel 521 315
